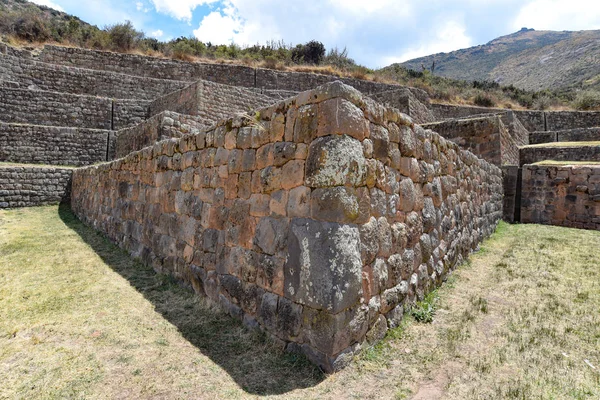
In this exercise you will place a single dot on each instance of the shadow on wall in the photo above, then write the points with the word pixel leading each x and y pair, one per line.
pixel 248 356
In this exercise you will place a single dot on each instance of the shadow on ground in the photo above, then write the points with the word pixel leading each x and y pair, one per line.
pixel 248 356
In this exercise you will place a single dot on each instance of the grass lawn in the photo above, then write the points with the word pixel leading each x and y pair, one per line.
pixel 564 144
pixel 80 319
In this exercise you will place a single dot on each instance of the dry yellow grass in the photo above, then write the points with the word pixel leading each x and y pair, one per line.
pixel 81 320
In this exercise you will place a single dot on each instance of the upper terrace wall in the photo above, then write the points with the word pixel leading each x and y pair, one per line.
pixel 561 120
pixel 229 74
pixel 404 100
pixel 533 154
pixel 561 195
pixel 30 74
pixel 568 135
pixel 318 223
pixel 531 120
pixel 56 109
pixel 34 144
pixel 210 101
pixel 162 126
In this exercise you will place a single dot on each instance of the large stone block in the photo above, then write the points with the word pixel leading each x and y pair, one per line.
pixel 335 161
pixel 324 266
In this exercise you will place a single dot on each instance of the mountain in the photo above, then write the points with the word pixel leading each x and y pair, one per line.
pixel 528 59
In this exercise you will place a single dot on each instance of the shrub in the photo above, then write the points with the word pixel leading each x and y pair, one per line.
pixel 183 51
pixel 587 100
pixel 484 100
pixel 309 53
pixel 30 27
pixel 271 62
pixel 542 103
pixel 123 37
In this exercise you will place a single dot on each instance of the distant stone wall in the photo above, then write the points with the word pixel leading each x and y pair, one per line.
pixel 319 223
pixel 55 109
pixel 531 120
pixel 127 113
pixel 568 135
pixel 162 126
pixel 561 120
pixel 405 101
pixel 29 186
pixel 481 135
pixel 210 101
pixel 511 202
pixel 228 74
pixel 533 154
pixel 35 144
pixel 512 138
pixel 30 74
pixel 561 195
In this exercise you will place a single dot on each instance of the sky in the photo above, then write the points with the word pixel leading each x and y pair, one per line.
pixel 375 32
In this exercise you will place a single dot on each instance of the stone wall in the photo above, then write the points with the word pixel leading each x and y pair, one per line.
pixel 228 74
pixel 29 186
pixel 481 135
pixel 533 154
pixel 561 120
pixel 511 203
pixel 162 126
pixel 210 101
pixel 531 120
pixel 55 109
pixel 568 135
pixel 405 101
pixel 561 195
pixel 319 223
pixel 127 113
pixel 30 74
pixel 512 138
pixel 35 144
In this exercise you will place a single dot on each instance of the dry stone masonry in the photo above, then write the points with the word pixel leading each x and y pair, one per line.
pixel 318 215
pixel 318 222
pixel 26 186
pixel 567 195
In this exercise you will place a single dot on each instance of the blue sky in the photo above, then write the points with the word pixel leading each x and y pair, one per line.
pixel 376 32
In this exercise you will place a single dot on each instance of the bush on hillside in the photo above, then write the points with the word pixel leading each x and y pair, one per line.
pixel 123 37
pixel 30 27
pixel 309 53
pixel 484 100
pixel 587 100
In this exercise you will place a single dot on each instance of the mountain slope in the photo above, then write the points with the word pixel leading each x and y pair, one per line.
pixel 528 59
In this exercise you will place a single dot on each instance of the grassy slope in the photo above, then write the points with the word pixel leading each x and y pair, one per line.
pixel 80 319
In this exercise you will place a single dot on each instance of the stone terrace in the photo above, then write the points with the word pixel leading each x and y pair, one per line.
pixel 318 215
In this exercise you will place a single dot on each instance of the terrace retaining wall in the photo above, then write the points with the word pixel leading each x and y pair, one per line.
pixel 35 144
pixel 29 186
pixel 31 74
pixel 561 195
pixel 319 223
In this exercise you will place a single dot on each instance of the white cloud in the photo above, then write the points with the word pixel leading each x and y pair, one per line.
pixel 139 5
pixel 180 9
pixel 559 15
pixel 449 37
pixel 48 3
pixel 157 34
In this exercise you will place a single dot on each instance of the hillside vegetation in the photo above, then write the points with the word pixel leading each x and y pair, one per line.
pixel 528 59
pixel 23 23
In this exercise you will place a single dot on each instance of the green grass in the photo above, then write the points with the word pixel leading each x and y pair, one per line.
pixel 564 163
pixel 564 144
pixel 80 319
